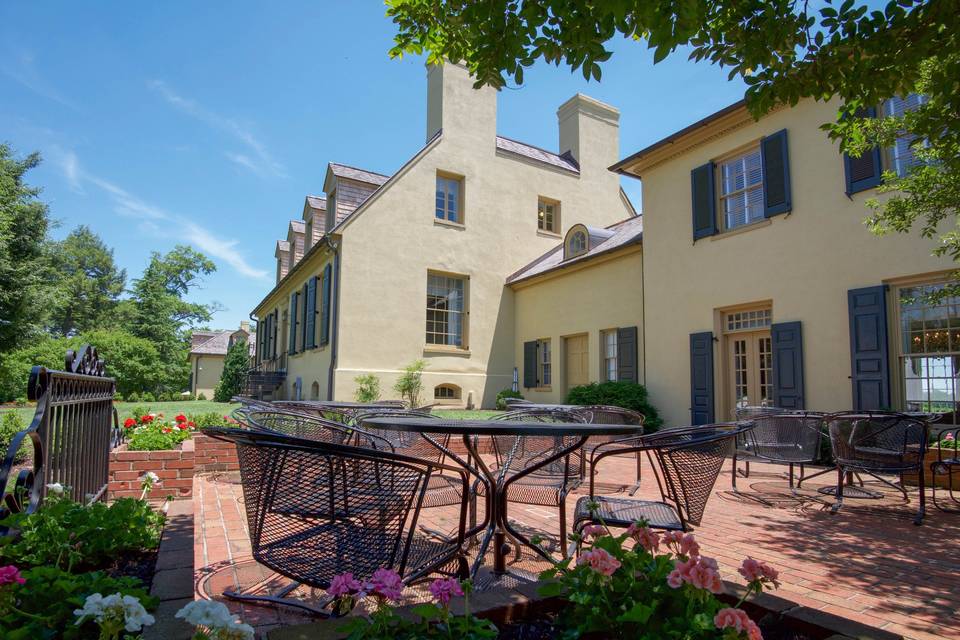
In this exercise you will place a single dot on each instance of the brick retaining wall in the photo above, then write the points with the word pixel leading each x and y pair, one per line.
pixel 200 454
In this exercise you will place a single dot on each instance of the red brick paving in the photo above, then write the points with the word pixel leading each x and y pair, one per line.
pixel 868 562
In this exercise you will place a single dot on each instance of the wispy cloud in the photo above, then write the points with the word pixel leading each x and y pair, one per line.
pixel 158 219
pixel 257 159
pixel 20 67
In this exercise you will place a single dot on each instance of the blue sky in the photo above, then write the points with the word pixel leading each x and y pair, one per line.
pixel 208 123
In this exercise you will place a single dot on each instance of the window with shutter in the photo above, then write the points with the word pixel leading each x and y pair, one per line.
pixel 869 355
pixel 901 157
pixel 303 316
pixel 864 172
pixel 627 369
pixel 292 338
pixel 701 378
pixel 310 320
pixel 325 307
pixel 704 207
pixel 787 341
pixel 776 174
pixel 741 189
pixel 275 328
pixel 530 364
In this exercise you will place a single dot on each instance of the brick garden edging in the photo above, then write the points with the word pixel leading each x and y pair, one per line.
pixel 175 468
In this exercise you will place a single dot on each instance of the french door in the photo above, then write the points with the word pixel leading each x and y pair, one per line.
pixel 750 358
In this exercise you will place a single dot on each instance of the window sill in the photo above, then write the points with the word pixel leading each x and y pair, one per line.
pixel 546 389
pixel 447 223
pixel 553 235
pixel 439 349
pixel 766 222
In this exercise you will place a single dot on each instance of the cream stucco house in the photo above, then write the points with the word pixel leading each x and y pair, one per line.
pixel 208 351
pixel 762 284
pixel 384 270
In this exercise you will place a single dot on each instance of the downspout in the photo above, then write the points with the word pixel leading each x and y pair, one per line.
pixel 335 320
pixel 256 351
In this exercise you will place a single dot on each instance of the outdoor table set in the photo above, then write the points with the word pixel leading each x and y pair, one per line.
pixel 326 497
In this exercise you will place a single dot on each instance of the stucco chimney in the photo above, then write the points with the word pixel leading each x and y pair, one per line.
pixel 590 132
pixel 245 326
pixel 455 107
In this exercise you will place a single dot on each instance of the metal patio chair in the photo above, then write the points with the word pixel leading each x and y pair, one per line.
pixel 879 442
pixel 948 461
pixel 608 414
pixel 515 403
pixel 790 437
pixel 742 450
pixel 318 509
pixel 549 486
pixel 686 462
pixel 318 409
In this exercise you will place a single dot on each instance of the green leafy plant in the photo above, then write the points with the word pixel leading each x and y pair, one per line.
pixel 368 388
pixel 43 607
pixel 504 395
pixel 410 383
pixel 235 366
pixel 202 397
pixel 210 419
pixel 644 585
pixel 628 395
pixel 150 432
pixel 69 535
pixel 10 424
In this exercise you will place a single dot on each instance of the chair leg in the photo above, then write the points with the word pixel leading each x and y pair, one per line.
pixel 733 473
pixel 921 511
pixel 839 501
pixel 791 477
pixel 563 527
pixel 950 496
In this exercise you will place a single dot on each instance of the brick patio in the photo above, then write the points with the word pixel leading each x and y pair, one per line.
pixel 868 563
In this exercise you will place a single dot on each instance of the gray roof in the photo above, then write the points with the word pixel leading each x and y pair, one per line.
pixel 621 234
pixel 297 226
pixel 361 175
pixel 317 202
pixel 283 245
pixel 564 161
pixel 219 342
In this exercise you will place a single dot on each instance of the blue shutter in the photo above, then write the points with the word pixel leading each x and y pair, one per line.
pixel 259 351
pixel 701 378
pixel 303 316
pixel 292 346
pixel 530 364
pixel 869 355
pixel 775 160
pixel 866 171
pixel 310 325
pixel 626 354
pixel 325 307
pixel 787 342
pixel 704 201
pixel 275 328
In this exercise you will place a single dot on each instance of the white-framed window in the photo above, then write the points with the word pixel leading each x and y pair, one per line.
pixel 445 309
pixel 577 244
pixel 929 349
pixel 749 320
pixel 446 391
pixel 449 198
pixel 741 189
pixel 544 359
pixel 548 215
pixel 900 157
pixel 608 342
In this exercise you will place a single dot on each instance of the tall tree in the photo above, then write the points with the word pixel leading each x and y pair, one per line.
pixel 235 366
pixel 157 310
pixel 25 290
pixel 89 282
pixel 784 50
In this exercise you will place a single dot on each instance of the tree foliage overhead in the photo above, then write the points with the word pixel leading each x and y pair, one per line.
pixel 25 289
pixel 784 50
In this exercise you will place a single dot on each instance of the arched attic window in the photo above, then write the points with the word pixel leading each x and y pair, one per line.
pixel 576 243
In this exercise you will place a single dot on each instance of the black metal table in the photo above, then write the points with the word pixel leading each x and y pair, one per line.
pixel 495 522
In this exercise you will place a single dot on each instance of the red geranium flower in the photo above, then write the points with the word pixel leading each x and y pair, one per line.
pixel 129 423
pixel 167 429
pixel 181 418
pixel 191 424
pixel 147 419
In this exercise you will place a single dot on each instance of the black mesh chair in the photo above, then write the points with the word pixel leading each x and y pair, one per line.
pixel 312 427
pixel 318 509
pixel 686 463
pixel 792 438
pixel 879 442
pixel 549 485
pixel 515 403
pixel 742 450
pixel 948 461
pixel 606 414
pixel 335 414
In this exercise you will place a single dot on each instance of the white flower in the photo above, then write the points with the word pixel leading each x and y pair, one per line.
pixel 55 488
pixel 135 617
pixel 126 609
pixel 150 477
pixel 237 631
pixel 207 613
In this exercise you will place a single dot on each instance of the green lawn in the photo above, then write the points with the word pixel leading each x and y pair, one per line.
pixel 464 414
pixel 168 409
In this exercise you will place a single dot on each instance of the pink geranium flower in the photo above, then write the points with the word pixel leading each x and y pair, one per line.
pixel 646 537
pixel 344 585
pixel 594 531
pixel 730 618
pixel 759 572
pixel 387 584
pixel 701 572
pixel 9 574
pixel 444 589
pixel 683 544
pixel 600 561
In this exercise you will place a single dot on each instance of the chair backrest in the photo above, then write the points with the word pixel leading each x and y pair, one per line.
pixel 787 437
pixel 748 413
pixel 689 462
pixel 409 443
pixel 510 403
pixel 878 440
pixel 607 414
pixel 341 415
pixel 300 425
pixel 316 509
pixel 521 452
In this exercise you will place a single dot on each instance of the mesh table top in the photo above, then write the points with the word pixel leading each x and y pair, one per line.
pixel 501 427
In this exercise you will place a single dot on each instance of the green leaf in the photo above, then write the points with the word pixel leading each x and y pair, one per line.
pixel 427 611
pixel 550 589
pixel 639 612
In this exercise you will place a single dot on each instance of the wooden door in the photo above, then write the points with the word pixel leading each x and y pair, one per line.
pixel 577 358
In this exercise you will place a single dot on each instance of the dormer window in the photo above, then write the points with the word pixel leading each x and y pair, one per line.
pixel 331 210
pixel 576 243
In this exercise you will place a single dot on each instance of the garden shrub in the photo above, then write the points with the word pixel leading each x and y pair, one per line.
pixel 10 424
pixel 202 397
pixel 69 535
pixel 503 395
pixel 46 602
pixel 368 388
pixel 134 397
pixel 235 366
pixel 209 419
pixel 628 395
pixel 410 384
pixel 150 432
pixel 148 396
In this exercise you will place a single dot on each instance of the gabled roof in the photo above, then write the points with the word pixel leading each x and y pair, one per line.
pixel 282 245
pixel 218 342
pixel 317 202
pixel 360 175
pixel 564 161
pixel 622 234
pixel 297 226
